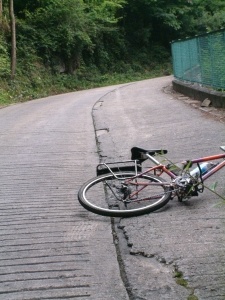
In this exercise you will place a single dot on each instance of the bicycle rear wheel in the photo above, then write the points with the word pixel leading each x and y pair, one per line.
pixel 107 195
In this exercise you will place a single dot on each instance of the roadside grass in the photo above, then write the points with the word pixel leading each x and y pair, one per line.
pixel 39 82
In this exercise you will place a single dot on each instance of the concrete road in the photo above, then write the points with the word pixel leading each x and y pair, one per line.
pixel 176 253
pixel 50 247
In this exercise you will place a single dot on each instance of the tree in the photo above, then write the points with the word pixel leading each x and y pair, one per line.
pixel 13 38
pixel 103 33
pixel 0 9
pixel 107 37
pixel 150 21
pixel 59 30
pixel 71 31
pixel 207 15
pixel 1 15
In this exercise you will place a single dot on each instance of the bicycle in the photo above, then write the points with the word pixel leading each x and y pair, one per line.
pixel 123 189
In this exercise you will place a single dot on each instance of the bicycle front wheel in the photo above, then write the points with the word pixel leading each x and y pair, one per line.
pixel 124 196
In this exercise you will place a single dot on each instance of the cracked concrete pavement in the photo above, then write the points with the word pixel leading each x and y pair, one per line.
pixel 51 248
pixel 178 252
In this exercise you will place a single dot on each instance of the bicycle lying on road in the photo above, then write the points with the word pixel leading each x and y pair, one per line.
pixel 123 189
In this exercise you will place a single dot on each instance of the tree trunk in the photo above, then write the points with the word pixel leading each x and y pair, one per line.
pixel 13 39
pixel 1 12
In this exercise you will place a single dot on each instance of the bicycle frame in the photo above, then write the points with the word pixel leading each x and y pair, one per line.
pixel 159 169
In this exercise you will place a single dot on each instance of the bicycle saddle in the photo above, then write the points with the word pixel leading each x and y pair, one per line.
pixel 139 153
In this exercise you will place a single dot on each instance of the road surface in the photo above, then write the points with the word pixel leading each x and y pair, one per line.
pixel 51 248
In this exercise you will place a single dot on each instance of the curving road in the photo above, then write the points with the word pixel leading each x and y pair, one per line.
pixel 51 248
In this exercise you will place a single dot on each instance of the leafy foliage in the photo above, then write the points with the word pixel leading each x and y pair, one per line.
pixel 66 35
pixel 89 39
pixel 204 16
pixel 4 58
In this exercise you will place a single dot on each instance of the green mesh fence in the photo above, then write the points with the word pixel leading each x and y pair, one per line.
pixel 201 59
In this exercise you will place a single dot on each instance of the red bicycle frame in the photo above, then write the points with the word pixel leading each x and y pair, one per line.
pixel 159 169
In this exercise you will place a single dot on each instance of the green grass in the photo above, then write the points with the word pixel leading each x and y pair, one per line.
pixel 192 297
pixel 38 82
pixel 179 279
pixel 178 275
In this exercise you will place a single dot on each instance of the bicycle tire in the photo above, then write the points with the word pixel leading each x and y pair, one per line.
pixel 90 192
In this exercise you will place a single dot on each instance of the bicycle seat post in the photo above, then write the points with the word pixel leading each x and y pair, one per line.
pixel 156 162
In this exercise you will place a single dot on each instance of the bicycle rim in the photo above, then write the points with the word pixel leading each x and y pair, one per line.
pixel 105 195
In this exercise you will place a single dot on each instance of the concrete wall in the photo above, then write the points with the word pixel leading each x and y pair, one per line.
pixel 199 93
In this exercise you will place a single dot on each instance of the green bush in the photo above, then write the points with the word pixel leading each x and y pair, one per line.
pixel 4 58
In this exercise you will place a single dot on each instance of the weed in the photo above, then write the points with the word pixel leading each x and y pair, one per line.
pixel 179 278
pixel 192 297
pixel 36 82
pixel 178 275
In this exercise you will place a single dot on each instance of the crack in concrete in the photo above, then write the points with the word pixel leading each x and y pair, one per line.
pixel 133 251
pixel 123 274
pixel 177 274
pixel 117 242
